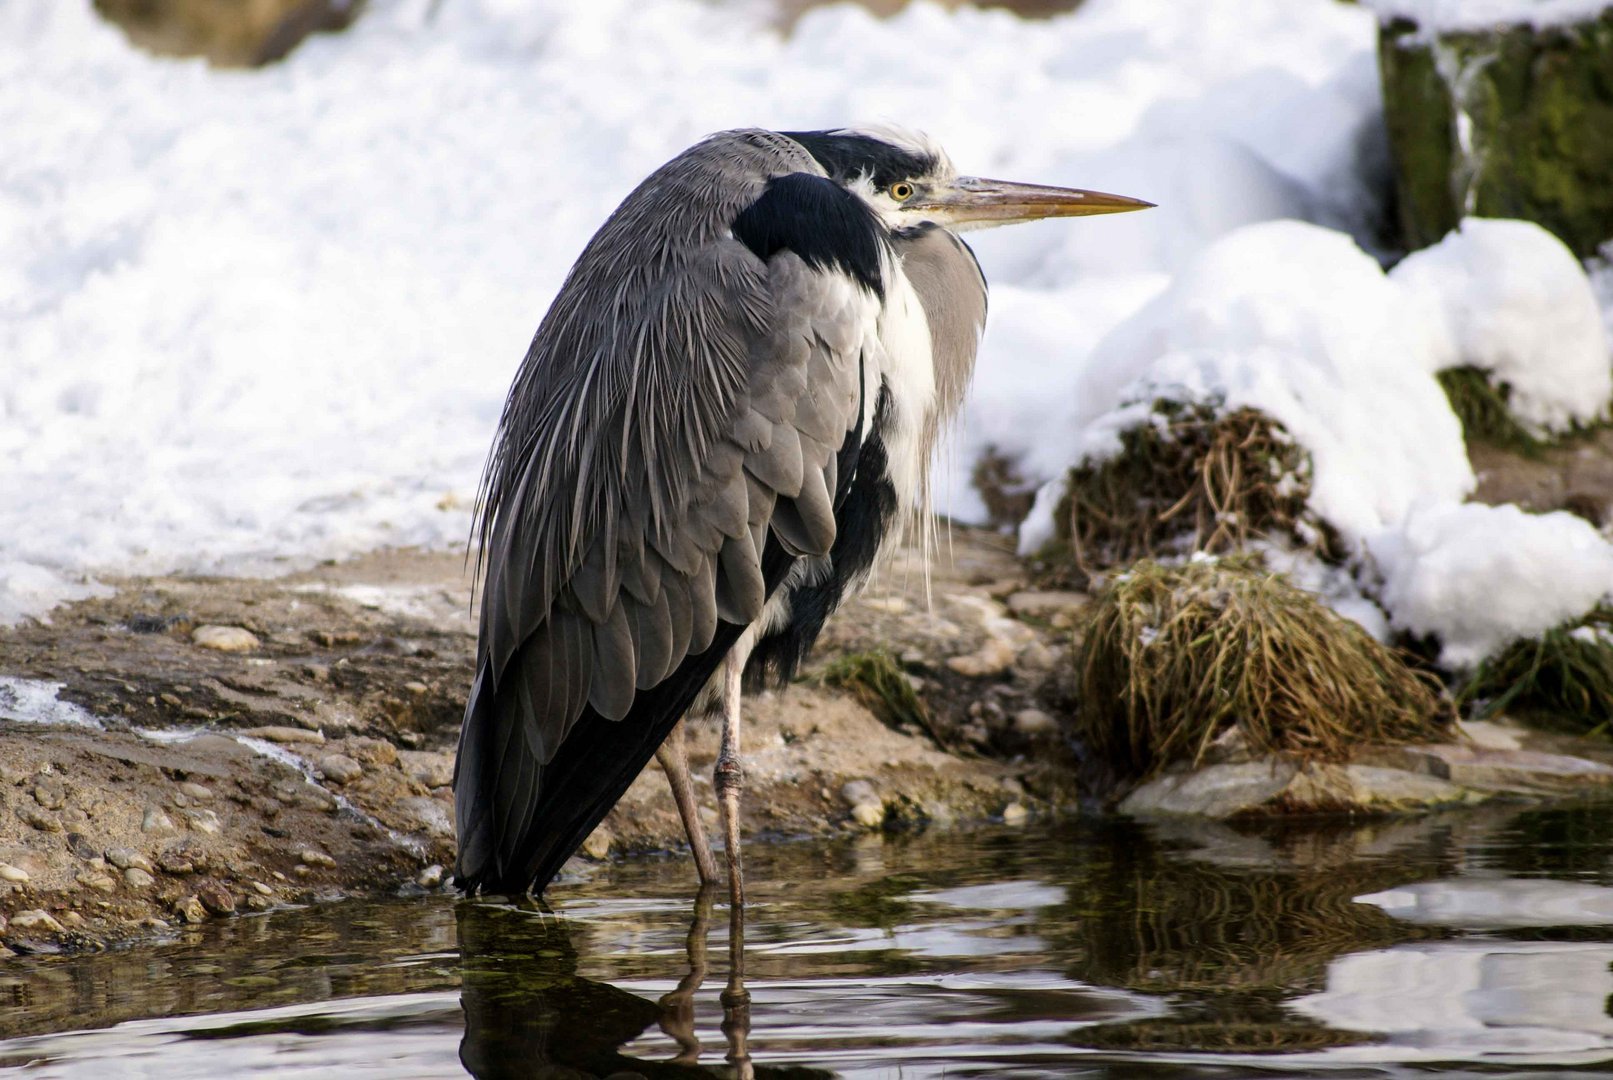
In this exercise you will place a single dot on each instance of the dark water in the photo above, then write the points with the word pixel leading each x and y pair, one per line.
pixel 1098 950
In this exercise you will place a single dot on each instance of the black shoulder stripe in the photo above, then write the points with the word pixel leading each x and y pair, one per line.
pixel 822 222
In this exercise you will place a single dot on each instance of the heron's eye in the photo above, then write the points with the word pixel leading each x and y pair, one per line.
pixel 901 191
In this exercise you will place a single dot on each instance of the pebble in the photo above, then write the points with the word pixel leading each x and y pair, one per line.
pixel 1039 603
pixel 190 909
pixel 125 858
pixel 137 878
pixel 430 767
pixel 224 638
pixel 430 877
pixel 14 874
pixel 156 821
pixel 92 879
pixel 372 751
pixel 176 860
pixel 36 919
pixel 204 821
pixel 1015 814
pixel 39 819
pixel 597 846
pixel 315 857
pixel 261 889
pixel 199 792
pixel 50 792
pixel 339 768
pixel 280 734
pixel 867 808
pixel 1033 722
pixel 78 845
pixel 417 688
pixel 75 818
pixel 996 656
pixel 216 898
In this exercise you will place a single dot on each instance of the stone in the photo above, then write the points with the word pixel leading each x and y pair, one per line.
pixel 285 735
pixel 314 857
pixel 1034 722
pixel 261 889
pixel 339 768
pixel 224 638
pixel 14 874
pixel 177 859
pixel 1215 791
pixel 155 820
pixel 80 845
pixel 216 898
pixel 430 877
pixel 125 858
pixel 1274 786
pixel 993 658
pixel 377 752
pixel 190 909
pixel 75 818
pixel 870 815
pixel 50 792
pixel 1015 814
pixel 1045 603
pixel 597 846
pixel 193 790
pixel 204 821
pixel 97 880
pixel 42 820
pixel 432 768
pixel 37 919
pixel 428 814
pixel 136 878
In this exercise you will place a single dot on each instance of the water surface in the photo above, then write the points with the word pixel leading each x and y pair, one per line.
pixel 1473 943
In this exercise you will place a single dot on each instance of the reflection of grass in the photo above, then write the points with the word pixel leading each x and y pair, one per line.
pixel 1563 678
pixel 1175 656
pixel 1281 1033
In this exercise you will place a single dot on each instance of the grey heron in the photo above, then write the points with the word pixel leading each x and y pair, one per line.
pixel 726 415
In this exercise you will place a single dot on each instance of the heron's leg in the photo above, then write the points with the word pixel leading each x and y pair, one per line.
pixel 676 766
pixel 736 999
pixel 677 1015
pixel 730 775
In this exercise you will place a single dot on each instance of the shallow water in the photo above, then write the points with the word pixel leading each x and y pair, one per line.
pixel 1473 943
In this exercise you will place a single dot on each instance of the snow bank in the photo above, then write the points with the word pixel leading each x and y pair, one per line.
pixel 1438 16
pixel 251 319
pixel 1296 321
pixel 1510 298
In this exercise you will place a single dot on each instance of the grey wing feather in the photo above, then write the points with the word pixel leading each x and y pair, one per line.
pixel 654 435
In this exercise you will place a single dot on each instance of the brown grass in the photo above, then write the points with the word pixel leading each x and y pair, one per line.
pixel 1192 480
pixel 1177 655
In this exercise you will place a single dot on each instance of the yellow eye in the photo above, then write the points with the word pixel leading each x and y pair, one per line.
pixel 901 191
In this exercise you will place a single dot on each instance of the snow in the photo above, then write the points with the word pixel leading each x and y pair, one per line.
pixel 1439 16
pixel 255 319
pixel 31 701
pixel 1479 577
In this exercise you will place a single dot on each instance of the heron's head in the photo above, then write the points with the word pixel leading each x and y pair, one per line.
pixel 909 181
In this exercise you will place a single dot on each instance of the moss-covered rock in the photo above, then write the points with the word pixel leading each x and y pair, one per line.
pixel 1513 123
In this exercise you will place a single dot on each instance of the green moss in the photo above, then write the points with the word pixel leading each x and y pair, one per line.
pixel 1481 406
pixel 1539 144
pixel 876 679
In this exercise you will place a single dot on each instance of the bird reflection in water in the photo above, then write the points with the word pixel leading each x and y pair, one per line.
pixel 529 1014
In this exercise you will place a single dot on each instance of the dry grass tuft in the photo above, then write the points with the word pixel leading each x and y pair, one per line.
pixel 1193 479
pixel 1565 674
pixel 1176 656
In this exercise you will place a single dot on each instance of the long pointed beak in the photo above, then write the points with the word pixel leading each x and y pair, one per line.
pixel 973 201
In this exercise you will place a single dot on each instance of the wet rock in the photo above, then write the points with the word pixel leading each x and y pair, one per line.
pixel 50 792
pixel 430 877
pixel 156 821
pixel 339 768
pixel 189 909
pixel 139 879
pixel 428 815
pixel 1275 786
pixel 125 858
pixel 42 820
pixel 285 735
pixel 314 857
pixel 38 920
pixel 1521 772
pixel 224 638
pixel 14 874
pixel 432 768
pixel 216 898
